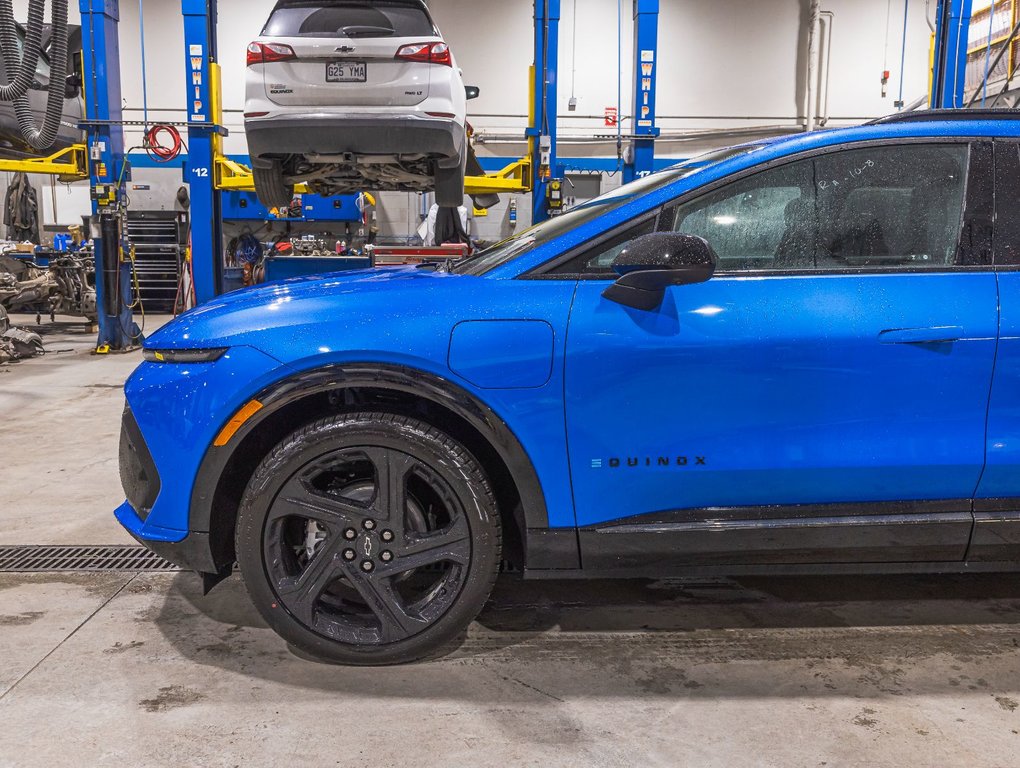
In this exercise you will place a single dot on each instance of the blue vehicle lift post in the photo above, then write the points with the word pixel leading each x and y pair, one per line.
pixel 641 161
pixel 952 24
pixel 542 131
pixel 107 171
pixel 204 133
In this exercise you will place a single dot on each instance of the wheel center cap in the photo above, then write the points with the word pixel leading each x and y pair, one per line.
pixel 368 545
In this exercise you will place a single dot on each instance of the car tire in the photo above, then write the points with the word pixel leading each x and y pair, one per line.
pixel 450 186
pixel 271 188
pixel 369 539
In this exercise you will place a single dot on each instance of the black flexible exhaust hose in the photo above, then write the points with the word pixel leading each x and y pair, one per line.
pixel 43 138
pixel 20 71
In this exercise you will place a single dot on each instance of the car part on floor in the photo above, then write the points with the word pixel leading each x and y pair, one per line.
pixel 67 286
pixel 19 344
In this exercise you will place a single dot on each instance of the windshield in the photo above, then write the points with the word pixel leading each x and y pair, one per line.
pixel 503 252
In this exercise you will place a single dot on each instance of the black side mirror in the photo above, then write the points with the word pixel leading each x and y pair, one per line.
pixel 473 91
pixel 651 263
pixel 72 86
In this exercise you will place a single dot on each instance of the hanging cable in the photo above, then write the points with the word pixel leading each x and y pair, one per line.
pixel 573 63
pixel 163 153
pixel 145 85
pixel 888 23
pixel 545 70
pixel 22 73
pixel 903 52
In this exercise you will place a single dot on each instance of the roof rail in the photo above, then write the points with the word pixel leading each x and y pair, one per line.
pixel 932 115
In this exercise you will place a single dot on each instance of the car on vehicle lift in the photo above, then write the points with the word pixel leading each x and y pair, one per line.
pixel 800 355
pixel 345 95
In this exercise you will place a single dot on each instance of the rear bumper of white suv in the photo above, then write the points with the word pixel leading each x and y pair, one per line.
pixel 329 134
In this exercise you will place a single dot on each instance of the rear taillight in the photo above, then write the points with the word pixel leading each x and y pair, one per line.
pixel 441 54
pixel 430 53
pixel 260 53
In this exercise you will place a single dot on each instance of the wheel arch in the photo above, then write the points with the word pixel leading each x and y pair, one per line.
pixel 224 471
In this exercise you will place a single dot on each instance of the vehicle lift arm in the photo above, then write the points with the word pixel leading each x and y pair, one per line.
pixel 67 165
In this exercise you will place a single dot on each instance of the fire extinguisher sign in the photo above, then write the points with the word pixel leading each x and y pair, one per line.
pixel 611 117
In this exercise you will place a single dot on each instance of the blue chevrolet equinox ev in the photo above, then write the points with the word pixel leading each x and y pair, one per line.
pixel 799 355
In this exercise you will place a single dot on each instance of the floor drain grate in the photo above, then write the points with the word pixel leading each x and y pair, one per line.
pixel 47 559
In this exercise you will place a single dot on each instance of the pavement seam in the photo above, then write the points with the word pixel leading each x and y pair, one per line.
pixel 72 633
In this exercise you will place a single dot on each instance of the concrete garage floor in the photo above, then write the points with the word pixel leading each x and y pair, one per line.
pixel 121 669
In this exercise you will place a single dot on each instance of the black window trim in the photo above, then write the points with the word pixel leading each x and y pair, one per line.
pixel 1000 199
pixel 543 271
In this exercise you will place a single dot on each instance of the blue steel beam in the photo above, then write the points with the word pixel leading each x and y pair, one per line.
pixel 101 42
pixel 206 211
pixel 544 110
pixel 646 44
pixel 952 23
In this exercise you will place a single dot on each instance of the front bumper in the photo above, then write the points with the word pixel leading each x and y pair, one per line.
pixel 357 134
pixel 193 553
pixel 174 412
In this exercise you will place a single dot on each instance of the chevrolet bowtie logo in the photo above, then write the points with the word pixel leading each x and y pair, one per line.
pixel 346 49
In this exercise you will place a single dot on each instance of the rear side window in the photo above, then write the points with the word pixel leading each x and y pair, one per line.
pixel 349 18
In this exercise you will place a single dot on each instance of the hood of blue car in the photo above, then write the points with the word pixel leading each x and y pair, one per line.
pixel 238 317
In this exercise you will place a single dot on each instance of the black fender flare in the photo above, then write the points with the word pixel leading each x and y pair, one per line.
pixel 410 381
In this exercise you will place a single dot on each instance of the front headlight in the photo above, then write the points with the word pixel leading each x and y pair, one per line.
pixel 184 355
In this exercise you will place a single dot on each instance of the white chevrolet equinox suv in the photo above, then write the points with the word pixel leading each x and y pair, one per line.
pixel 348 95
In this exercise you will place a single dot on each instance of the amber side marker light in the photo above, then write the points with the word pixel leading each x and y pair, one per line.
pixel 247 411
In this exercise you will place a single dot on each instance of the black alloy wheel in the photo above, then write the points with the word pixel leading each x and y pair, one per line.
pixel 369 539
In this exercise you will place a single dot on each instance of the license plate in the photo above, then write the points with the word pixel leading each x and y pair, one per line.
pixel 346 72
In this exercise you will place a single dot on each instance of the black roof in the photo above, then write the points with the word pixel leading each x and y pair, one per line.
pixel 933 115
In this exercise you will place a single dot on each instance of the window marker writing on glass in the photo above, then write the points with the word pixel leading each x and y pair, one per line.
pixel 851 175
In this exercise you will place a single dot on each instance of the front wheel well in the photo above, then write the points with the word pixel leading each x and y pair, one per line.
pixel 268 433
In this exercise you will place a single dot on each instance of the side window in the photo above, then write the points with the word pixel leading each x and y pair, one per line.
pixel 761 222
pixel 884 207
pixel 598 260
